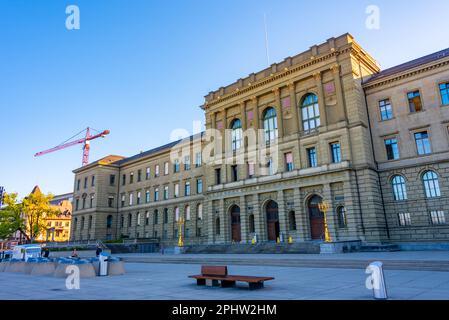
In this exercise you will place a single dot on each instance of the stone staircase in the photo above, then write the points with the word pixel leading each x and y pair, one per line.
pixel 303 247
pixel 379 248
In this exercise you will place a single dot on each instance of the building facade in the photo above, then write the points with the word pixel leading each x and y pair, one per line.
pixel 325 126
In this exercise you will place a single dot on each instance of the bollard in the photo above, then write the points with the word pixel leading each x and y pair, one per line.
pixel 376 280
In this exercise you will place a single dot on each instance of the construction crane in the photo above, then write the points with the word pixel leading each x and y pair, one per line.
pixel 86 141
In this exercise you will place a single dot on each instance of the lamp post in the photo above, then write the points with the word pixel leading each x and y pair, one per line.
pixel 180 238
pixel 324 207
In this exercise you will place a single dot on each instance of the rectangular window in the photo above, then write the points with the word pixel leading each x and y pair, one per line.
pixel 198 159
pixel 311 157
pixel 386 112
pixel 122 201
pixel 251 170
pixel 234 173
pixel 85 183
pixel 139 175
pixel 166 168
pixel 91 201
pixel 218 176
pixel 289 166
pixel 156 194
pixel 437 217
pixel 187 189
pixel 176 190
pixel 444 91
pixel 92 183
pixel 110 201
pixel 138 197
pixel 199 186
pixel 78 183
pixel 156 171
pixel 165 192
pixel 335 152
pixel 112 179
pixel 131 177
pixel 148 174
pixel 176 166
pixel 77 204
pixel 391 146
pixel 147 196
pixel 131 196
pixel 422 143
pixel 123 179
pixel 404 219
pixel 414 101
pixel 187 163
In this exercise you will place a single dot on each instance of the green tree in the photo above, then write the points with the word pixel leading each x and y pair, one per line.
pixel 37 209
pixel 11 216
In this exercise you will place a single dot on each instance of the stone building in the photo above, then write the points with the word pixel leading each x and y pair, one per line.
pixel 317 127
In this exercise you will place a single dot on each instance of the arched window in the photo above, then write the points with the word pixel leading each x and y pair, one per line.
pixel 341 215
pixel 399 188
pixel 109 222
pixel 310 112
pixel 292 221
pixel 270 124
pixel 200 211
pixel 187 212
pixel 217 226
pixel 236 134
pixel 431 184
pixel 252 227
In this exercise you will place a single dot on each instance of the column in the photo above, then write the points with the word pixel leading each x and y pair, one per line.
pixel 254 148
pixel 223 224
pixel 243 220
pixel 321 101
pixel 259 221
pixel 302 223
pixel 283 216
pixel 339 90
pixel 330 214
pixel 208 211
pixel 224 152
pixel 279 114
pixel 294 108
pixel 242 167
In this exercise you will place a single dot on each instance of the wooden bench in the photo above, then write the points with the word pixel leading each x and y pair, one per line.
pixel 215 275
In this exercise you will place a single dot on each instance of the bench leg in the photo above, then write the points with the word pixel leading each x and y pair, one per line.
pixel 227 284
pixel 200 282
pixel 255 285
pixel 212 283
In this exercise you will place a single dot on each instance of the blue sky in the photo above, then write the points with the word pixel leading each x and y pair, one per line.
pixel 141 68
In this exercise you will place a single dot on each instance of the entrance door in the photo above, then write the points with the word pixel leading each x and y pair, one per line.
pixel 272 221
pixel 316 218
pixel 235 224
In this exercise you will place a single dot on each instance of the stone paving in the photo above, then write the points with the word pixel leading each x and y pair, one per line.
pixel 169 282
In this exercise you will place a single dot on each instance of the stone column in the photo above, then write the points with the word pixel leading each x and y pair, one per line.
pixel 302 225
pixel 243 220
pixel 223 147
pixel 209 215
pixel 283 215
pixel 330 214
pixel 294 108
pixel 223 224
pixel 321 100
pixel 279 115
pixel 339 90
pixel 259 221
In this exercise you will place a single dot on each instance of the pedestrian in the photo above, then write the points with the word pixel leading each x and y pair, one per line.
pixel 98 251
pixel 46 253
pixel 162 248
pixel 74 253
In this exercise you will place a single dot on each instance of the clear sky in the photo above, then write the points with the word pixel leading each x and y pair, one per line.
pixel 141 68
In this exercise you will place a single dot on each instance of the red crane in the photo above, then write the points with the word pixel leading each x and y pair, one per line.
pixel 86 141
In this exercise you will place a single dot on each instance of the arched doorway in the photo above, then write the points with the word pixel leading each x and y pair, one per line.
pixel 272 220
pixel 235 224
pixel 316 218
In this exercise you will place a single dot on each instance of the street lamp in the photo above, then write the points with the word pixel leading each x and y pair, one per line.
pixel 180 238
pixel 324 207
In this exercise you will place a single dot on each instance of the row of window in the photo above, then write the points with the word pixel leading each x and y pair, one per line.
pixel 86 183
pixel 414 102
pixel 430 182
pixel 422 143
pixel 84 202
pixel 436 217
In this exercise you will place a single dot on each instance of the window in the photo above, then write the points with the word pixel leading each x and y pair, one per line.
pixel 156 217
pixel 131 196
pixel 198 232
pixel 218 176
pixel 176 166
pixel 187 163
pixel 444 91
pixel 156 194
pixel 165 192
pixel 156 171
pixel 138 218
pixel 77 204
pixel 291 221
pixel 199 186
pixel 131 177
pixel 139 194
pixel 399 188
pixel 391 147
pixel 422 143
pixel 414 101
pixel 176 214
pixel 269 166
pixel 122 221
pixel 84 202
pixel 123 200
pixel 147 218
pixel 431 184
pixel 92 183
pixel 341 214
pixel 234 173
pixel 112 179
pixel 109 222
pixel 176 190
pixel 85 183
pixel 311 157
pixel 270 124
pixel 82 223
pixel 251 170
pixel 187 188
pixel 386 112
pixel 252 225
pixel 198 159
pixel 91 201
pixel 289 166
pixel 78 182
pixel 200 211
pixel 310 112
pixel 130 220
pixel 165 168
pixel 111 201
pixel 404 219
pixel 236 134
pixel 187 213
pixel 148 173
pixel 147 196
pixel 437 217
pixel 335 152
pixel 123 179
pixel 217 226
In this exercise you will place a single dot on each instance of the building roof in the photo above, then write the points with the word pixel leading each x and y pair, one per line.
pixel 410 65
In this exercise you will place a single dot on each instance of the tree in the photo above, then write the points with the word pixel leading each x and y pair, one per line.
pixel 37 209
pixel 11 216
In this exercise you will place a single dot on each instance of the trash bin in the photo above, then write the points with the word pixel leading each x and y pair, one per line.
pixel 103 257
pixel 377 280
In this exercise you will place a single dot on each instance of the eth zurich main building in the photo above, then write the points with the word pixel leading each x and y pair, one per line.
pixel 326 125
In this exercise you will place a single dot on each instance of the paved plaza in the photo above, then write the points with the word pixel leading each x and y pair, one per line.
pixel 169 282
